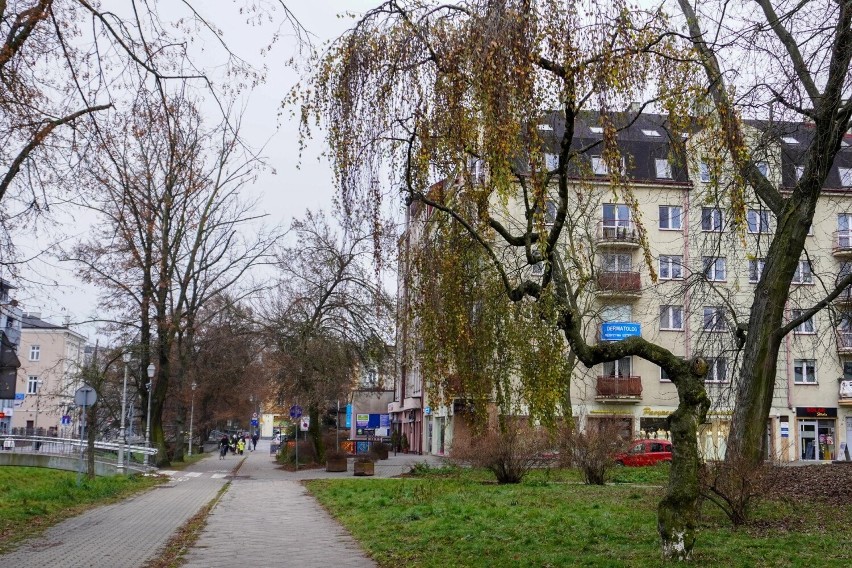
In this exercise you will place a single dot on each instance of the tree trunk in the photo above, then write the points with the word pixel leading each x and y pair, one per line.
pixel 315 432
pixel 677 513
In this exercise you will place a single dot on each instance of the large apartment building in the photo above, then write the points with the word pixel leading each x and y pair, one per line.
pixel 691 293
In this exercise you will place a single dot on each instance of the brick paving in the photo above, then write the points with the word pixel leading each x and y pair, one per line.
pixel 266 518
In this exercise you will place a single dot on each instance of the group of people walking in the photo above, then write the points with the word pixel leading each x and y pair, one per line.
pixel 237 444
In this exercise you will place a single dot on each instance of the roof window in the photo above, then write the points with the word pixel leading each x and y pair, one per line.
pixel 789 140
pixel 651 133
pixel 596 129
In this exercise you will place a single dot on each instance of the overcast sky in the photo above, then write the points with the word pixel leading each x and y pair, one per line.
pixel 283 195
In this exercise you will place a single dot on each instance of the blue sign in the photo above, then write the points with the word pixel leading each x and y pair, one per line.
pixel 384 420
pixel 65 420
pixel 349 416
pixel 254 421
pixel 295 411
pixel 618 330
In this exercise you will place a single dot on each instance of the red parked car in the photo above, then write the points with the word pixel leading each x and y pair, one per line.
pixel 646 452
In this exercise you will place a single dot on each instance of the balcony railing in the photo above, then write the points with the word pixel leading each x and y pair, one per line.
pixel 842 243
pixel 845 297
pixel 619 387
pixel 617 233
pixel 619 283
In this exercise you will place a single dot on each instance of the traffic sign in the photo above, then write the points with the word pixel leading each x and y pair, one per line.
pixel 65 420
pixel 305 424
pixel 254 422
pixel 85 396
pixel 295 411
pixel 254 415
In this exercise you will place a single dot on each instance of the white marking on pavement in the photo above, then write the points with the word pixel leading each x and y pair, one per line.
pixel 218 475
pixel 193 474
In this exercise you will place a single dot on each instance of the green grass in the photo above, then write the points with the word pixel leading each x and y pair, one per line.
pixel 454 519
pixel 33 498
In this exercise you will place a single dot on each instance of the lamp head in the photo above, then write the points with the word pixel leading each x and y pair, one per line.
pixel 125 357
pixel 151 370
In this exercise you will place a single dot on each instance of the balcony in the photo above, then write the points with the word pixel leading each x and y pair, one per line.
pixel 842 244
pixel 844 397
pixel 618 234
pixel 845 297
pixel 619 285
pixel 619 389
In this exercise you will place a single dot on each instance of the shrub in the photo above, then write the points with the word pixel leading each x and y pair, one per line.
pixel 509 453
pixel 307 453
pixel 379 450
pixel 592 450
pixel 734 486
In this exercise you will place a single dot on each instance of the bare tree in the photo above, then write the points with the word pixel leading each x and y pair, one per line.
pixel 329 317
pixel 174 232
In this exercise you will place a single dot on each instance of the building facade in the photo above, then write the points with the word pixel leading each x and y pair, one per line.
pixel 670 264
pixel 51 356
pixel 10 336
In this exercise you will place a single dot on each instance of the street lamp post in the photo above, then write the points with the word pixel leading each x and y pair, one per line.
pixel 122 433
pixel 151 369
pixel 39 382
pixel 191 415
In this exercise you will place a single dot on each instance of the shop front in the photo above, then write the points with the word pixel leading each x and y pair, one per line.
pixel 817 427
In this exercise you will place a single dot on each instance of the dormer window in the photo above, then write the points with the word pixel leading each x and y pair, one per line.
pixel 845 176
pixel 663 168
pixel 763 168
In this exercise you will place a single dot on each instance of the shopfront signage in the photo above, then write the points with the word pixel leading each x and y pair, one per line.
pixel 613 412
pixel 362 420
pixel 618 330
pixel 816 412
pixel 648 412
pixel 785 430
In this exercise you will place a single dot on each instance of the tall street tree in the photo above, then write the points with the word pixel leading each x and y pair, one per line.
pixel 329 317
pixel 175 232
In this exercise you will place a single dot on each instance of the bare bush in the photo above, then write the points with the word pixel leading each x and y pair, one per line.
pixel 509 453
pixel 734 486
pixel 592 451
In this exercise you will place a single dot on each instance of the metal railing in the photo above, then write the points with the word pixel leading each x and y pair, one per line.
pixel 70 447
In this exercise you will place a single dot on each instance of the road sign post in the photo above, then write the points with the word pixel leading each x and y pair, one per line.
pixel 295 414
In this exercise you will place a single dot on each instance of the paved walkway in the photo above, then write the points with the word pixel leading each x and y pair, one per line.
pixel 266 518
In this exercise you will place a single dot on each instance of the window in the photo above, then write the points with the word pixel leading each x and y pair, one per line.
pixel 803 274
pixel 617 313
pixel 845 176
pixel 617 368
pixel 35 352
pixel 844 230
pixel 714 269
pixel 32 384
pixel 804 371
pixel 718 371
pixel 551 161
pixel 671 317
pixel 758 220
pixel 599 166
pixel 711 219
pixel 763 168
pixel 671 267
pixel 670 216
pixel 371 379
pixel 714 318
pixel 664 376
pixel 617 262
pixel 538 269
pixel 549 212
pixel 755 269
pixel 800 170
pixel 545 127
pixel 704 172
pixel 663 168
pixel 596 129
pixel 806 326
pixel 616 215
pixel 789 140
pixel 651 133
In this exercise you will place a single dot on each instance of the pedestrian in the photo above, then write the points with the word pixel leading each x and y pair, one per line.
pixel 254 438
pixel 223 446
pixel 241 445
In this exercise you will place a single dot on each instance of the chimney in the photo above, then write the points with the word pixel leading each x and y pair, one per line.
pixel 66 321
pixel 35 315
pixel 635 106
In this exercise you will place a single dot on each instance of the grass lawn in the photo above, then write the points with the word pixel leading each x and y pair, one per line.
pixel 34 498
pixel 452 518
